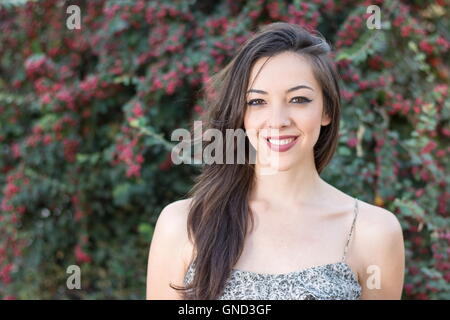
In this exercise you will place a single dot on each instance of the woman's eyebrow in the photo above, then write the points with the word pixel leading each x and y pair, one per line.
pixel 287 91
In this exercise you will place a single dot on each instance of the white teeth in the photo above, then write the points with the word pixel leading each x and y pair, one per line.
pixel 281 142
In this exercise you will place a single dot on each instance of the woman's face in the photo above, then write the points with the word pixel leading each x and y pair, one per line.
pixel 283 120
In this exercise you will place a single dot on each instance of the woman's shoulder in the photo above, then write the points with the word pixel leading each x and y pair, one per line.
pixel 379 245
pixel 177 210
pixel 378 235
pixel 173 218
pixel 371 219
pixel 169 249
pixel 376 220
pixel 172 222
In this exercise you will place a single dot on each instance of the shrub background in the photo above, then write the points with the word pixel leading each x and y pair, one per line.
pixel 86 117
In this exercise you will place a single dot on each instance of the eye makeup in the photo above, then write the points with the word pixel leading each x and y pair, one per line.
pixel 303 100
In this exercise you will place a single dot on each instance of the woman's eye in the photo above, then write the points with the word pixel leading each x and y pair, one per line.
pixel 252 104
pixel 302 99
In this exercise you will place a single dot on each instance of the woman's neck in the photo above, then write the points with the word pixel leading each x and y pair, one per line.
pixel 298 185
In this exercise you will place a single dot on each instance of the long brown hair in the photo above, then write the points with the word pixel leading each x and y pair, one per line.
pixel 219 214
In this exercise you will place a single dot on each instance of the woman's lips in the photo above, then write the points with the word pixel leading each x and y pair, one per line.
pixel 281 143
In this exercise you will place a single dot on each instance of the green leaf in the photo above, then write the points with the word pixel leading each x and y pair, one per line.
pixel 121 194
pixel 47 121
pixel 146 230
pixel 344 151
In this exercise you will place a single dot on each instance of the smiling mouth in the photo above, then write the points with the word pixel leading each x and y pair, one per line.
pixel 281 144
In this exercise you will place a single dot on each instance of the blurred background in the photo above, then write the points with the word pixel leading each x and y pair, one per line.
pixel 87 107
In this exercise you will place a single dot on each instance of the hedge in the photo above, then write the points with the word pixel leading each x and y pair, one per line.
pixel 86 116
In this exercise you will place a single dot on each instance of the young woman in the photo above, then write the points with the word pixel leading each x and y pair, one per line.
pixel 247 233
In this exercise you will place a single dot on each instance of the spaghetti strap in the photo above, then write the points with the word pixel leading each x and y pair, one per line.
pixel 351 229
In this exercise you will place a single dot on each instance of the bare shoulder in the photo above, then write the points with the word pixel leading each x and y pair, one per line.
pixel 172 224
pixel 376 223
pixel 169 251
pixel 173 217
pixel 379 248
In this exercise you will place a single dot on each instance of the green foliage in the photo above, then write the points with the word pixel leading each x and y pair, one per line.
pixel 86 117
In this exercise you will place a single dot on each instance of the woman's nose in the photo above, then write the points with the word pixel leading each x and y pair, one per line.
pixel 279 117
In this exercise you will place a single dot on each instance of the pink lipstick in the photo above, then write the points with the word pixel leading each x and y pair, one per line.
pixel 281 143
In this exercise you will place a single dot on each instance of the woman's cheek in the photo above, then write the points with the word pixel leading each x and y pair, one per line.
pixel 311 119
pixel 252 128
pixel 313 132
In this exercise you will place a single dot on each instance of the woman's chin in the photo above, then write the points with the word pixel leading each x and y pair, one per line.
pixel 274 167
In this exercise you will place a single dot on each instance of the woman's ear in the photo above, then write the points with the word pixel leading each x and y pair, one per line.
pixel 326 120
